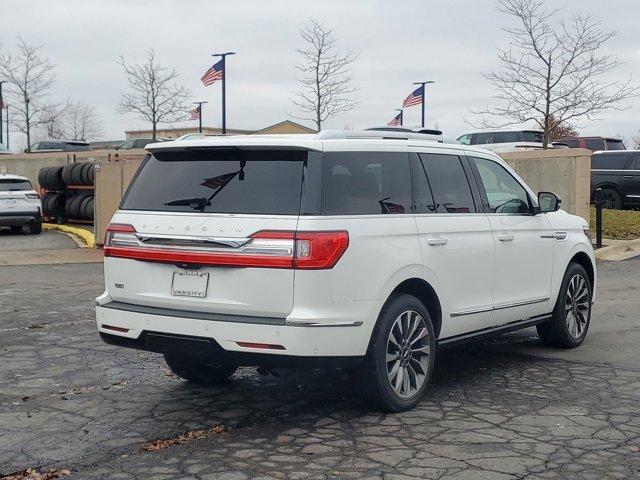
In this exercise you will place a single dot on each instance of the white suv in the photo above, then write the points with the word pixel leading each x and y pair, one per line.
pixel 20 204
pixel 367 250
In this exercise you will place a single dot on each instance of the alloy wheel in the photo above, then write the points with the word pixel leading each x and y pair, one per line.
pixel 577 306
pixel 408 352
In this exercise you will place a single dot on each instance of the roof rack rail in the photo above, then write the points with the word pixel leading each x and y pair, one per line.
pixel 380 134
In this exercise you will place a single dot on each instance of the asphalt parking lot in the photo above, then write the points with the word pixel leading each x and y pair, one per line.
pixel 507 409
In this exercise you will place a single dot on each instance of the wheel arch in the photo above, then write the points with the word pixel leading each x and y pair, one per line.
pixel 607 184
pixel 424 292
pixel 582 259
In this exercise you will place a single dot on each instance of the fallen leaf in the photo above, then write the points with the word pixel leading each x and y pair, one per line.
pixel 161 444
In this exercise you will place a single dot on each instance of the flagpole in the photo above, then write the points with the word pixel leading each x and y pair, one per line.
pixel 401 116
pixel 224 89
pixel 423 95
pixel 200 115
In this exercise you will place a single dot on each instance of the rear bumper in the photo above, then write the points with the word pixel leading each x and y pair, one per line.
pixel 139 326
pixel 19 218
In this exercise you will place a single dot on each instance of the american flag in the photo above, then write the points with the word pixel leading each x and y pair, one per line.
pixel 415 98
pixel 214 74
pixel 195 113
pixel 397 120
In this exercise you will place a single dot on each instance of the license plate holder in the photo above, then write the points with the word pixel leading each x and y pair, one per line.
pixel 189 283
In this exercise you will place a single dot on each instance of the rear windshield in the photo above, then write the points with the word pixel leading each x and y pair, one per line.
pixel 219 181
pixel 7 185
pixel 612 144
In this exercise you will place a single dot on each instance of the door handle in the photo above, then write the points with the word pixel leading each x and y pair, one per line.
pixel 627 176
pixel 437 241
pixel 506 237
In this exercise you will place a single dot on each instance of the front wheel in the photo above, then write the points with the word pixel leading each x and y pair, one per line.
pixel 572 313
pixel 204 373
pixel 611 198
pixel 397 368
pixel 35 228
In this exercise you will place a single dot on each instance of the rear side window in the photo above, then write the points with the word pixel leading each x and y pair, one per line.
pixel 7 185
pixel 365 183
pixel 506 137
pixel 219 181
pixel 448 181
pixel 609 162
pixel 532 136
pixel 595 144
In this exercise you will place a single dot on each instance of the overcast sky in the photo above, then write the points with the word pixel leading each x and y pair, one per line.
pixel 400 42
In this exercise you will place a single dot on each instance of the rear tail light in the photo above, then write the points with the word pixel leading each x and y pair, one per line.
pixel 264 249
pixel 33 196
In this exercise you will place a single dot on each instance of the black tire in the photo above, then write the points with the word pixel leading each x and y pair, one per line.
pixel 45 203
pixel 41 175
pixel 74 208
pixel 76 174
pixel 92 174
pixel 16 229
pixel 66 173
pixel 83 207
pixel 611 198
pixel 35 228
pixel 56 204
pixel 200 372
pixel 375 374
pixel 561 331
pixel 84 173
pixel 88 208
pixel 67 207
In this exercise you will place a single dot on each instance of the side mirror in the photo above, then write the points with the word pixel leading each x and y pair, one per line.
pixel 548 202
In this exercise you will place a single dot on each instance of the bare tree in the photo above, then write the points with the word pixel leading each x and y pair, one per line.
pixel 553 70
pixel 51 121
pixel 82 122
pixel 326 87
pixel 155 96
pixel 635 141
pixel 29 78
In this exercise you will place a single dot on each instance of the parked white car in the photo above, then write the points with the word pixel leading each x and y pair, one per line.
pixel 20 204
pixel 504 139
pixel 368 250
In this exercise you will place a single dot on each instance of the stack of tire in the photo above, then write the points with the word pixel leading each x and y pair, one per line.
pixel 79 203
pixel 50 178
pixel 79 206
pixel 81 173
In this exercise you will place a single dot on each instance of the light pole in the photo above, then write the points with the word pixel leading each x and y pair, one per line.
pixel 401 116
pixel 1 107
pixel 200 115
pixel 7 144
pixel 224 78
pixel 423 95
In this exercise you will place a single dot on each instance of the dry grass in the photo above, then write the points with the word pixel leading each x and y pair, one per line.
pixel 618 224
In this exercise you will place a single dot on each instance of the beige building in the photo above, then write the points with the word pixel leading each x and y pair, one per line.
pixel 286 126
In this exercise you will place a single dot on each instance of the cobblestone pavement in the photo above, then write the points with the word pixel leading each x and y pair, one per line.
pixel 69 401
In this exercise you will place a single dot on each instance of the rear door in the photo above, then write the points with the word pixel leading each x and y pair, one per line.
pixel 455 239
pixel 631 181
pixel 189 207
pixel 523 244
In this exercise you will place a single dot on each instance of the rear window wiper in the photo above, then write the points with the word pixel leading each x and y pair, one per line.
pixel 198 203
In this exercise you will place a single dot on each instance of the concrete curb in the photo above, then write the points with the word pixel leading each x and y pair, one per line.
pixel 87 238
pixel 619 250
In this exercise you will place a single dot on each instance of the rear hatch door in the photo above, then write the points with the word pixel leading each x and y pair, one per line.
pixel 195 216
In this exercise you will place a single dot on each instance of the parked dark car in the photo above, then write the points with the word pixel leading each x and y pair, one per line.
pixel 59 146
pixel 593 143
pixel 618 174
pixel 137 143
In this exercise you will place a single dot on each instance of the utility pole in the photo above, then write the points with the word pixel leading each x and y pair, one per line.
pixel 224 93
pixel 423 95
pixel 1 107
pixel 200 114
pixel 401 116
